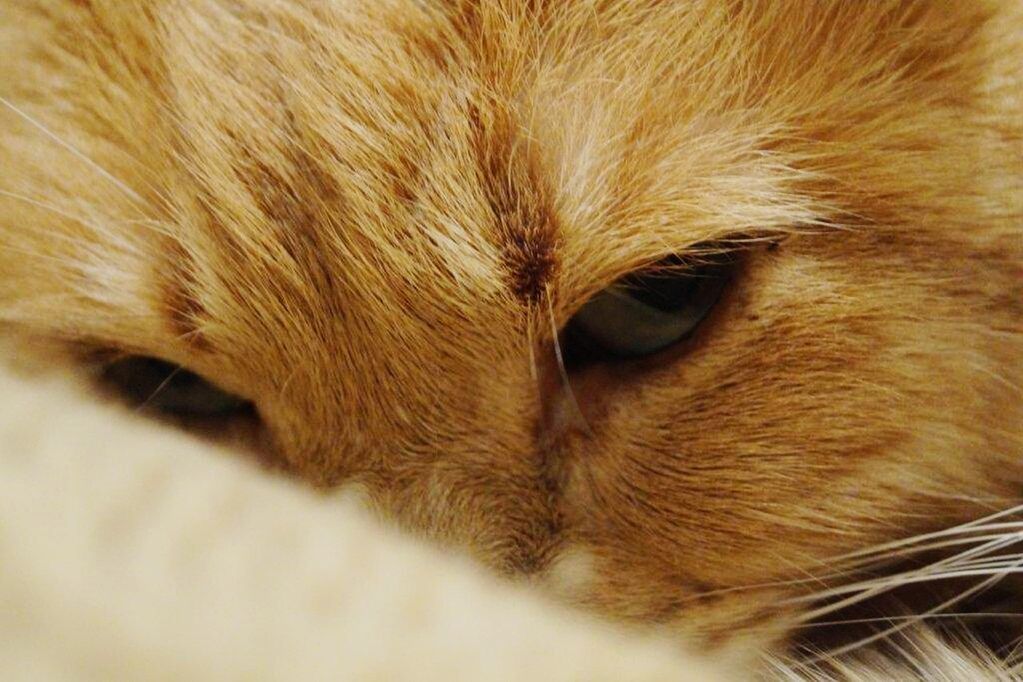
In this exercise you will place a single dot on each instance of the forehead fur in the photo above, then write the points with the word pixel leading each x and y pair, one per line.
pixel 510 133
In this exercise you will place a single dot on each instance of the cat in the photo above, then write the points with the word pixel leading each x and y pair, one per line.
pixel 695 314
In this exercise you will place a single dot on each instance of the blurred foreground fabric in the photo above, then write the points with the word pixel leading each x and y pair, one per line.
pixel 128 551
pixel 132 552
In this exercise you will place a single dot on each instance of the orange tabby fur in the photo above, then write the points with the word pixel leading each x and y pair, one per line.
pixel 370 217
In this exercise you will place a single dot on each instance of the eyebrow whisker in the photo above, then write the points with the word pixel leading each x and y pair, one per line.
pixel 561 364
pixel 159 389
pixel 128 191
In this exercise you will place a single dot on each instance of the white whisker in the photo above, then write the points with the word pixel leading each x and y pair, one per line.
pixel 951 615
pixel 128 191
pixel 159 389
pixel 963 528
pixel 929 547
pixel 864 590
pixel 153 225
pixel 824 578
pixel 561 364
pixel 940 608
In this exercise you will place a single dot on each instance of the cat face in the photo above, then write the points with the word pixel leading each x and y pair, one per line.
pixel 380 223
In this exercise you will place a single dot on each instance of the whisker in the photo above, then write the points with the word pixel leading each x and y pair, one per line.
pixel 1011 651
pixel 128 191
pixel 952 615
pixel 859 567
pixel 67 263
pixel 930 547
pixel 56 210
pixel 966 527
pixel 887 632
pixel 867 589
pixel 159 389
pixel 903 580
pixel 561 364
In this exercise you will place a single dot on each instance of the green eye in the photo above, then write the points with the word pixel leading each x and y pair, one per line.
pixel 648 311
pixel 151 384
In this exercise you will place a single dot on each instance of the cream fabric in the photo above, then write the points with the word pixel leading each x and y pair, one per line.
pixel 132 552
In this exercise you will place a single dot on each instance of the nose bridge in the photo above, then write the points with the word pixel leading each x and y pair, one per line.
pixel 460 458
pixel 424 391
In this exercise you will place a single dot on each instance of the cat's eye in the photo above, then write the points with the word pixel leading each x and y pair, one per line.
pixel 648 311
pixel 154 385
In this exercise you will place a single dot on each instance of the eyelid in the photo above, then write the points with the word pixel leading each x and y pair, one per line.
pixel 648 310
pixel 625 326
